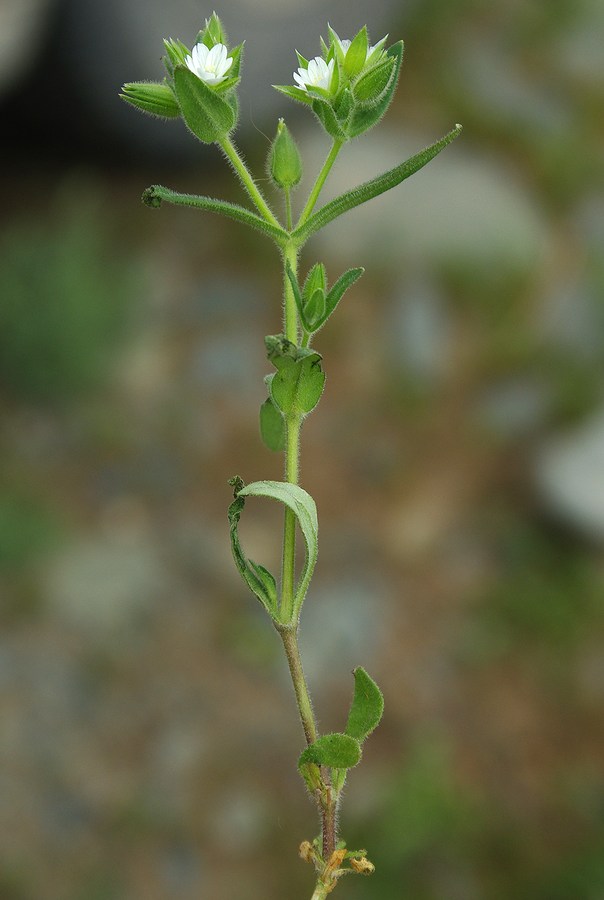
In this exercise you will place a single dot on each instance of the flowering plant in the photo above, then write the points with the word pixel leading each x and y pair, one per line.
pixel 349 87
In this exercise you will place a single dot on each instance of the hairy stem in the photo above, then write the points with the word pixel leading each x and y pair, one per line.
pixel 290 643
pixel 316 190
pixel 230 151
pixel 292 451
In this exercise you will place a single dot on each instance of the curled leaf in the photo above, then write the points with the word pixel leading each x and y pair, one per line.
pixel 258 579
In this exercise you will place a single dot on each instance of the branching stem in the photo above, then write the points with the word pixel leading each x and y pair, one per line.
pixel 316 190
pixel 230 151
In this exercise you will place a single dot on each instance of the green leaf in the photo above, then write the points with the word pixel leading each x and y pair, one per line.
pixel 335 750
pixel 373 188
pixel 315 309
pixel 367 706
pixel 258 579
pixel 151 97
pixel 155 195
pixel 298 383
pixel 356 53
pixel 207 115
pixel 316 280
pixel 272 426
pixel 303 507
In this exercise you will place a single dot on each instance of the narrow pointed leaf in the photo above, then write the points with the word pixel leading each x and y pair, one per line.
pixel 157 194
pixel 373 188
pixel 338 290
pixel 367 706
pixel 335 750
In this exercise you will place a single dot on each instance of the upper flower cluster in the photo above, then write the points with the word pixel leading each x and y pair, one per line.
pixel 350 85
pixel 199 85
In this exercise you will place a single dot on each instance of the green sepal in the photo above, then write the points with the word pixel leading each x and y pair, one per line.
pixel 334 750
pixel 374 81
pixel 176 54
pixel 367 706
pixel 365 116
pixel 272 425
pixel 151 97
pixel 298 383
pixel 303 62
pixel 256 577
pixel 328 119
pixel 343 106
pixel 236 55
pixel 356 55
pixel 294 93
pixel 213 33
pixel 207 115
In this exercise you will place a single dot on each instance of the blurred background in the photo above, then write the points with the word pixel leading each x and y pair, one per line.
pixel 148 732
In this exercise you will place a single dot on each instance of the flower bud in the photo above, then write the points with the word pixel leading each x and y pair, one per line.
pixel 152 97
pixel 285 164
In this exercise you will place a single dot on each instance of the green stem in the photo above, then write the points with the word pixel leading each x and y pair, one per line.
pixel 247 180
pixel 288 209
pixel 290 310
pixel 292 450
pixel 292 473
pixel 314 194
pixel 290 643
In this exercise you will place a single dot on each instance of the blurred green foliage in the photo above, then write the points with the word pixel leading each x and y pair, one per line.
pixel 66 300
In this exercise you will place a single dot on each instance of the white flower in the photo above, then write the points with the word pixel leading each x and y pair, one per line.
pixel 318 74
pixel 210 66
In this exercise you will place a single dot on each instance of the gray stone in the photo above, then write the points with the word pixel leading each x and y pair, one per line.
pixel 570 473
